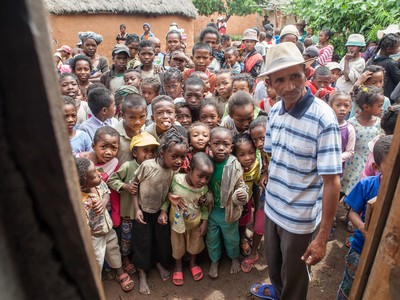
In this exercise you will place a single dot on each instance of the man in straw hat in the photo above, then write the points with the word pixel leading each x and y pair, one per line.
pixel 302 183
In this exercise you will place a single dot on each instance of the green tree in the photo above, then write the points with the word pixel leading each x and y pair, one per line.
pixel 227 8
pixel 344 17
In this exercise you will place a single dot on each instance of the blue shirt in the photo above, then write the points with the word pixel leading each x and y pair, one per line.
pixel 91 125
pixel 81 142
pixel 364 191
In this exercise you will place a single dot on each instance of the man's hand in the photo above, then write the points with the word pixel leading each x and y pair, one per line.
pixel 315 252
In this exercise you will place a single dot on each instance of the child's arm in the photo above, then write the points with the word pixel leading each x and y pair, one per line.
pixel 163 217
pixel 99 206
pixel 351 142
pixel 138 211
pixel 241 194
pixel 204 220
pixel 355 218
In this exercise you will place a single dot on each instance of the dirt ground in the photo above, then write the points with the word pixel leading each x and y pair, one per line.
pixel 326 277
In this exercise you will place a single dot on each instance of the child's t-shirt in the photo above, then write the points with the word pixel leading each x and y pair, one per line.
pixel 215 181
pixel 252 176
pixel 81 142
pixel 364 191
pixel 154 183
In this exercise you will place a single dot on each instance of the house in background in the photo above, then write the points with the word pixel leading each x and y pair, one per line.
pixel 67 18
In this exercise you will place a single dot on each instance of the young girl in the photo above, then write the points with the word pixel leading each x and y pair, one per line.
pixel 367 126
pixel 173 83
pixel 69 87
pixel 223 86
pixel 189 214
pixel 82 67
pixel 173 40
pixel 267 103
pixel 95 196
pixel 151 235
pixel 245 152
pixel 210 113
pixel 79 140
pixel 183 114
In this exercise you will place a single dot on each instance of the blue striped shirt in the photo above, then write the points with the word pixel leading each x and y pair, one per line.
pixel 304 144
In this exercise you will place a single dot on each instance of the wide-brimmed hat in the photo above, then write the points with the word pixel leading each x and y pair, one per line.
pixel 65 48
pixel 392 28
pixel 120 48
pixel 282 56
pixel 250 34
pixel 290 29
pixel 355 40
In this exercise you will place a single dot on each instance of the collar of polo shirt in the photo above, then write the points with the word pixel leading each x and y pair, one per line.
pixel 300 107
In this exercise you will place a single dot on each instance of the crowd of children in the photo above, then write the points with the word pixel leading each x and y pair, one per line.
pixel 170 147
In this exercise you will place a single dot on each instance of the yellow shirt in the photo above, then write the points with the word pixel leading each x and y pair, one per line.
pixel 252 176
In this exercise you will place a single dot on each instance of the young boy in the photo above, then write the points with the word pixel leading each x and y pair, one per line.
pixel 134 112
pixel 336 71
pixel 226 41
pixel 203 76
pixel 146 57
pixel 253 60
pixel 364 191
pixel 193 94
pixel 159 55
pixel 114 78
pixel 320 83
pixel 95 196
pixel 230 194
pixel 150 89
pixel 132 42
pixel 211 37
pixel 101 103
pixel 163 116
pixel 231 60
pixel 143 146
pixel 201 57
pixel 179 60
pixel 133 78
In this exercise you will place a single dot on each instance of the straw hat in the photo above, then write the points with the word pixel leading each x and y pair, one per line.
pixel 290 29
pixel 392 28
pixel 356 40
pixel 282 56
pixel 250 34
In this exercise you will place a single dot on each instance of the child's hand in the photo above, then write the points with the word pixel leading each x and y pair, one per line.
pixel 163 218
pixel 350 55
pixel 139 217
pixel 241 196
pixel 364 77
pixel 98 207
pixel 131 187
pixel 264 180
pixel 176 200
pixel 317 93
pixel 203 227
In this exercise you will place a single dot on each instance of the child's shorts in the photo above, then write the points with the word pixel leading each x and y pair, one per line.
pixel 259 221
pixel 246 213
pixel 106 247
pixel 352 261
pixel 190 241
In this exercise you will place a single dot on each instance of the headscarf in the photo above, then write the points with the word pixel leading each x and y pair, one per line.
pixel 150 34
pixel 124 91
pixel 83 36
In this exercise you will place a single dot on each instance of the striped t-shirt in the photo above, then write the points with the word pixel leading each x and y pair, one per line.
pixel 305 144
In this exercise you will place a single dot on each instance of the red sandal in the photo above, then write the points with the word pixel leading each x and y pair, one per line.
pixel 126 282
pixel 197 273
pixel 177 278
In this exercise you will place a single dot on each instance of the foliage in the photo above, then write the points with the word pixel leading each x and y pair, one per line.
pixel 344 17
pixel 227 7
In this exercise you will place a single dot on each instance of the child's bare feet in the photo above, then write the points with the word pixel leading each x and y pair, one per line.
pixel 235 266
pixel 163 273
pixel 213 273
pixel 143 286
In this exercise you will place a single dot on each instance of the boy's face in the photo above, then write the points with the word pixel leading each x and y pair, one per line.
pixel 133 49
pixel 193 96
pixel 223 85
pixel 173 42
pixel 206 81
pixel 69 86
pixel 249 44
pixel 120 61
pixel 134 117
pixel 221 145
pixel 240 86
pixel 110 110
pixel 321 81
pixel 246 154
pixel 106 148
pixel 93 177
pixel 209 115
pixel 163 115
pixel 258 137
pixel 174 156
pixel 230 58
pixel 335 74
pixel 184 117
pixel 144 153
pixel 200 176
pixel 157 46
pixel 242 117
pixel 132 78
pixel 146 56
pixel 201 59
pixel 70 116
pixel 212 40
pixel 148 93
pixel 173 88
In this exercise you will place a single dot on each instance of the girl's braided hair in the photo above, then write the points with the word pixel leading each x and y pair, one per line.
pixel 82 165
pixel 241 138
pixel 366 95
pixel 171 138
pixel 388 41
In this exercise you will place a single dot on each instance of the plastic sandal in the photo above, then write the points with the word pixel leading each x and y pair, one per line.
pixel 247 264
pixel 197 273
pixel 177 278
pixel 259 289
pixel 245 249
pixel 125 281
pixel 129 268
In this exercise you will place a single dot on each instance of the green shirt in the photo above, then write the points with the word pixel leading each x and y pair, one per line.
pixel 215 181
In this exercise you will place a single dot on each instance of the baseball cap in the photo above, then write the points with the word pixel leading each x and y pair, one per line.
pixel 143 139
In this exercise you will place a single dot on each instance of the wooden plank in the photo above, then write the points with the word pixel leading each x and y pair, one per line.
pixel 379 217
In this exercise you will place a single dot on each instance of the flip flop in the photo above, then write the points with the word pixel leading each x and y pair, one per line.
pixel 197 273
pixel 258 291
pixel 247 264
pixel 177 278
pixel 124 280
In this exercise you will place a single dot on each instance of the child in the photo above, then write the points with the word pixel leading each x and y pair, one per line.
pixel 257 132
pixel 364 191
pixel 231 60
pixel 203 76
pixel 201 57
pixel 163 117
pixel 151 233
pixel 150 89
pixel 241 112
pixel 146 57
pixel 189 215
pixel 253 60
pixel 173 83
pixel 133 77
pixel 159 55
pixel 320 83
pixel 134 111
pixel 179 60
pixel 146 32
pixel 367 126
pixel 230 194
pixel 272 97
pixel 79 140
pixel 336 71
pixel 223 86
pixel 245 152
pixel 114 78
pixel 120 95
pixel 242 82
pixel 173 40
pixel 69 87
pixel 82 67
pixel 143 146
pixel 101 103
pixel 132 42
pixel 226 42
pixel 388 46
pixel 95 196
pixel 193 94
pixel 183 114
pixel 210 113
pixel 211 37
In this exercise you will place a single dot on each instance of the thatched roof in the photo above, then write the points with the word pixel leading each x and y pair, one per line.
pixel 143 7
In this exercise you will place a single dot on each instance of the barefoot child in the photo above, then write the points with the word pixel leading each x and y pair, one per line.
pixel 95 196
pixel 143 146
pixel 210 113
pixel 189 214
pixel 230 194
pixel 151 233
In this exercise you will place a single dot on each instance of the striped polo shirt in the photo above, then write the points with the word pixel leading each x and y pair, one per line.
pixel 305 144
